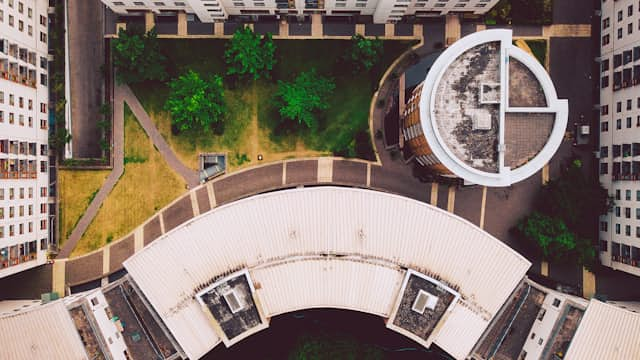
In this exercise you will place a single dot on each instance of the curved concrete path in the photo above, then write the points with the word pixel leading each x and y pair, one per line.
pixel 123 94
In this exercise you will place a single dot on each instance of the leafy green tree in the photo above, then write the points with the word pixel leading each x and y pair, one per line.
pixel 306 95
pixel 195 102
pixel 550 236
pixel 137 57
pixel 248 56
pixel 364 53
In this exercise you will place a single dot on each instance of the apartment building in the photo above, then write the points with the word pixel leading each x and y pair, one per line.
pixel 620 133
pixel 382 11
pixel 23 135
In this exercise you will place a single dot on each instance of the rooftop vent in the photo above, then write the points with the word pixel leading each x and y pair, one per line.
pixel 423 301
pixel 481 120
pixel 233 301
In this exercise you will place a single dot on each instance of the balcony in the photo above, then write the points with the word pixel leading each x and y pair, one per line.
pixel 625 177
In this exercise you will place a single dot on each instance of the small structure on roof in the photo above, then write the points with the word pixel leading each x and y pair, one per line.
pixel 211 165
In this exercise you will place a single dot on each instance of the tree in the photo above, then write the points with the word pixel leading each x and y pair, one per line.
pixel 303 97
pixel 195 102
pixel 137 57
pixel 550 236
pixel 247 56
pixel 567 211
pixel 364 53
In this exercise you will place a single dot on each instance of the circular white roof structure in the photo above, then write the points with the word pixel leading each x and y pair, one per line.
pixel 490 112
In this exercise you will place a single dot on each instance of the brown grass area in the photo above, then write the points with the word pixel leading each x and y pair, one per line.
pixel 147 185
pixel 77 188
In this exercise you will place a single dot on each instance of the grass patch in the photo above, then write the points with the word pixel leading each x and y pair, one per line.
pixel 77 190
pixel 144 188
pixel 343 130
pixel 539 49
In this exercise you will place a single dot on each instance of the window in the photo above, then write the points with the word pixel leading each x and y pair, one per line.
pixel 628 104
pixel 138 3
pixel 630 10
pixel 605 39
pixel 604 65
pixel 43 20
pixel 629 28
pixel 606 23
pixel 617 194
pixel 627 230
pixel 618 124
pixel 118 3
pixel 628 122
pixel 158 3
pixel 620 15
pixel 43 37
pixel 604 168
pixel 556 302
pixel 618 229
pixel 604 126
pixel 620 33
pixel 541 314
pixel 43 224
pixel 627 213
pixel 604 110
pixel 43 191
pixel 627 194
pixel 617 211
pixel 604 246
pixel 605 82
pixel 604 226
pixel 637 195
pixel 618 106
pixel 604 151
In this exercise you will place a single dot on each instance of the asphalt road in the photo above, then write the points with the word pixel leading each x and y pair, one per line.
pixel 86 56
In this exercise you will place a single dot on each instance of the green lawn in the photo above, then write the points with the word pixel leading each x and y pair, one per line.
pixel 539 49
pixel 249 127
pixel 147 185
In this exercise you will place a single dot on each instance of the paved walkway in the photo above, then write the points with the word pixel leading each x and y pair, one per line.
pixel 124 94
pixel 112 179
pixel 190 176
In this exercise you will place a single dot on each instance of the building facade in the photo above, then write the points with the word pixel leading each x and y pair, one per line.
pixel 381 10
pixel 620 133
pixel 23 135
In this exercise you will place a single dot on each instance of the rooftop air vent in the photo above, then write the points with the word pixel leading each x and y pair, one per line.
pixel 423 301
pixel 233 302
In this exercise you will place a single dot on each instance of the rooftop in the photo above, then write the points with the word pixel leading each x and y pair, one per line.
pixel 490 112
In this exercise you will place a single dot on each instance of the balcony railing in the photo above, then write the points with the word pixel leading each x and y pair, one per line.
pixel 7 174
pixel 625 177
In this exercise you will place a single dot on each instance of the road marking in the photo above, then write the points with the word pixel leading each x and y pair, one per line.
pixel 138 239
pixel 451 199
pixel 212 195
pixel 389 30
pixel 368 174
pixel 544 268
pixel 284 172
pixel 482 206
pixel 545 174
pixel 106 259
pixel 434 194
pixel 194 203
pixel 59 277
pixel 325 170
pixel 588 284
pixel 161 222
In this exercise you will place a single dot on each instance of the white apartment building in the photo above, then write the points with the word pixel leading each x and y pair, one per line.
pixel 382 10
pixel 23 135
pixel 620 133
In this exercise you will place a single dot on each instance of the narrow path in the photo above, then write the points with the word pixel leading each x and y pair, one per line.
pixel 254 140
pixel 112 179
pixel 190 176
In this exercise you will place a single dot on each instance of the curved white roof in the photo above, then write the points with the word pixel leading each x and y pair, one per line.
pixel 606 332
pixel 40 332
pixel 326 247
pixel 448 151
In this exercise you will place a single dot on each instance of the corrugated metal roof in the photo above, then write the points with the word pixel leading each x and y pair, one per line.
pixel 461 330
pixel 44 332
pixel 606 332
pixel 314 283
pixel 315 221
